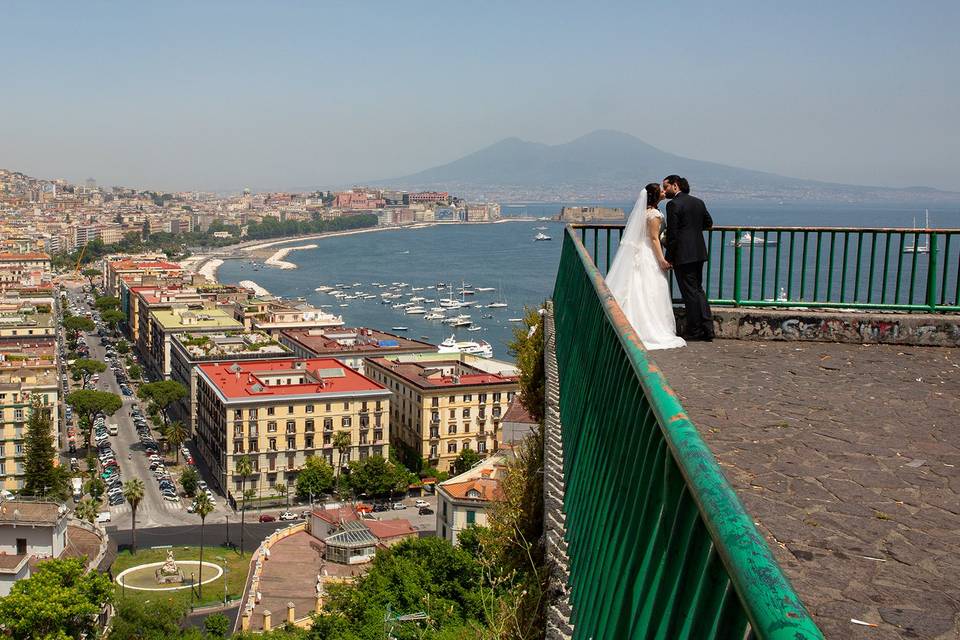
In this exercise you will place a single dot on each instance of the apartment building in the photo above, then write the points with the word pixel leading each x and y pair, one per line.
pixel 444 404
pixel 188 350
pixel 20 320
pixel 350 345
pixel 273 315
pixel 25 261
pixel 279 412
pixel 164 323
pixel 136 270
pixel 26 374
pixel 464 500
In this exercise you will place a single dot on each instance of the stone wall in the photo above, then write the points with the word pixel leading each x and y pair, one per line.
pixel 822 325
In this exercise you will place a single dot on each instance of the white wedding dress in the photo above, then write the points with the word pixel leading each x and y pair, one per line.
pixel 640 286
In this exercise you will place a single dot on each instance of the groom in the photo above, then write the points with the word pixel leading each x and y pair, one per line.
pixel 687 219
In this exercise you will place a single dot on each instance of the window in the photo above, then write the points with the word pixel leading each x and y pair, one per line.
pixel 377 435
pixel 252 430
pixel 291 461
pixel 346 406
pixel 291 443
pixel 434 402
pixel 238 414
pixel 272 444
pixel 379 405
pixel 471 516
pixel 496 397
pixel 496 412
pixel 18 414
pixel 452 399
pixel 467 397
pixel 481 398
pixel 434 432
pixel 252 413
pixel 451 447
pixel 481 446
pixel 273 463
pixel 289 409
pixel 451 429
pixel 453 413
pixel 238 446
pixel 291 426
pixel 326 438
pixel 466 427
pixel 272 426
pixel 435 416
pixel 364 421
pixel 363 437
pixel 327 407
pixel 270 411
pixel 345 421
pixel 237 430
pixel 308 442
pixel 308 425
pixel 253 448
pixel 466 412
pixel 433 451
pixel 309 408
pixel 328 424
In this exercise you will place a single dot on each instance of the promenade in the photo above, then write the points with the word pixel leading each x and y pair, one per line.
pixel 848 459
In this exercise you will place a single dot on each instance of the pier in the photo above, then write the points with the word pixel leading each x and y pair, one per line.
pixel 790 484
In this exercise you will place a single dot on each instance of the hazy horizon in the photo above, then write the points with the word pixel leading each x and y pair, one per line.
pixel 223 96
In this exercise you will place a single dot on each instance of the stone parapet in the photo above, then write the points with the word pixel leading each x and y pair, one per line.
pixel 823 325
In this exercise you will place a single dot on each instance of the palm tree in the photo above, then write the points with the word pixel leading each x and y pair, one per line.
pixel 243 469
pixel 204 507
pixel 341 441
pixel 281 489
pixel 176 433
pixel 133 492
pixel 86 510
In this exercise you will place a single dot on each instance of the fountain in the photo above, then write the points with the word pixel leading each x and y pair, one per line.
pixel 169 572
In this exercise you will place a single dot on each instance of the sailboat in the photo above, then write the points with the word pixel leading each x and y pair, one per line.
pixel 925 247
pixel 500 303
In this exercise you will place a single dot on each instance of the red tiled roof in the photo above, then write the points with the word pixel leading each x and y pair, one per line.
pixel 426 374
pixel 247 379
pixel 321 341
pixel 13 257
pixel 152 264
pixel 488 488
pixel 386 529
pixel 516 413
pixel 335 516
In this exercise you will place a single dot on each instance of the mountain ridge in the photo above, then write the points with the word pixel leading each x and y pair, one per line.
pixel 606 164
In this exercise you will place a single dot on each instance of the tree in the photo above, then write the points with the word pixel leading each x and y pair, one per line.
pixel 90 274
pixel 176 434
pixel 315 478
pixel 113 318
pixel 465 461
pixel 87 510
pixel 156 619
pixel 95 486
pixel 84 368
pixel 135 372
pixel 341 442
pixel 105 303
pixel 527 348
pixel 41 476
pixel 59 601
pixel 244 468
pixel 216 625
pixel 133 491
pixel 87 403
pixel 123 347
pixel 188 480
pixel 204 507
pixel 75 325
pixel 161 395
pixel 376 476
pixel 281 489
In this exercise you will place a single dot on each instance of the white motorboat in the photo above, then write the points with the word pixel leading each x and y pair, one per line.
pixel 480 348
pixel 415 311
pixel 540 237
pixel 475 328
pixel 434 316
pixel 399 328
pixel 485 289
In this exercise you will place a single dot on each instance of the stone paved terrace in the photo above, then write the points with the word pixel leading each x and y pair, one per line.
pixel 848 458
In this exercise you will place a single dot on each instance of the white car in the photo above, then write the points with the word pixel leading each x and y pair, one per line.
pixel 288 515
pixel 103 516
pixel 421 503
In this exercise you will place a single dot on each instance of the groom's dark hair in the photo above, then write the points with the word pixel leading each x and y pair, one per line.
pixel 679 181
pixel 684 185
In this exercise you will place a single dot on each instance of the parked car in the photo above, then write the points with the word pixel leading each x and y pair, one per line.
pixel 267 518
pixel 288 515
pixel 421 503
pixel 425 511
pixel 398 506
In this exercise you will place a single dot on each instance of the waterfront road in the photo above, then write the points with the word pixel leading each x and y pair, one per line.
pixel 848 458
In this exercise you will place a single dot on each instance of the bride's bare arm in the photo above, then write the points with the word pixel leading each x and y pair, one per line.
pixel 653 230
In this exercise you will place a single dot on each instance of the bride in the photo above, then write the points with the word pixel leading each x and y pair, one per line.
pixel 638 275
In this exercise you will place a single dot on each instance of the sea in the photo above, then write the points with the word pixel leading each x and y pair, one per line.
pixel 502 256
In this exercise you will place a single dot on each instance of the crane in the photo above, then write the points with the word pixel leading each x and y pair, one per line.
pixel 83 250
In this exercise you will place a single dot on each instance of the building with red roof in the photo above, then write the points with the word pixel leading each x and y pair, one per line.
pixel 350 345
pixel 465 499
pixel 278 412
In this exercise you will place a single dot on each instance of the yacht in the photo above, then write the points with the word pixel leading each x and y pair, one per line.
pixel 747 240
pixel 485 289
pixel 480 348
pixel 540 237
pixel 434 316
pixel 323 289
pixel 415 311
pixel 925 247
pixel 462 323
pixel 475 328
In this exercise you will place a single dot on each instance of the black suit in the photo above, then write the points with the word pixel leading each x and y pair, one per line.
pixel 687 219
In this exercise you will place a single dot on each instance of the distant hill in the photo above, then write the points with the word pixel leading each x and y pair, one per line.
pixel 611 165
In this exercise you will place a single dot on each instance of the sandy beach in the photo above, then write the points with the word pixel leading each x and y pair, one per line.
pixel 277 259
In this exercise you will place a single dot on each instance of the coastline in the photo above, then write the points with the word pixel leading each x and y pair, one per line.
pixel 277 259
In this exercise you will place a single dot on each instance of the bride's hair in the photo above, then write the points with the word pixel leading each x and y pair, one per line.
pixel 653 194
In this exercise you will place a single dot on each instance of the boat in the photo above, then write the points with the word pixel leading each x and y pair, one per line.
pixel 485 289
pixel 345 304
pixel 487 316
pixel 475 328
pixel 514 319
pixel 415 311
pixel 434 316
pixel 462 323
pixel 323 289
pixel 925 247
pixel 540 237
pixel 539 228
pixel 399 328
pixel 746 240
pixel 480 348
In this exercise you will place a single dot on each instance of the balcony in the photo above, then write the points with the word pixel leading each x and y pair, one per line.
pixel 682 558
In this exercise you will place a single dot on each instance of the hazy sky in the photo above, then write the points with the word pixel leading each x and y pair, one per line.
pixel 274 95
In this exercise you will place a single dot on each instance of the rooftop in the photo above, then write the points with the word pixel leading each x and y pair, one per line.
pixel 185 319
pixel 353 340
pixel 481 483
pixel 224 345
pixel 14 257
pixel 259 379
pixel 386 529
pixel 138 265
pixel 30 513
pixel 441 372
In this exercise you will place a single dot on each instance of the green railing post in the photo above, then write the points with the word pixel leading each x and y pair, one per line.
pixel 737 267
pixel 932 272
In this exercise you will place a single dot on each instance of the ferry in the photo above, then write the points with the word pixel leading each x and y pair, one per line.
pixel 480 348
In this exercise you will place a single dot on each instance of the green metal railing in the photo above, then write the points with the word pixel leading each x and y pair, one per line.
pixel 659 544
pixel 850 268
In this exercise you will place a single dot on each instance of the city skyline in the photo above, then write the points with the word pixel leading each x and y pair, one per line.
pixel 291 97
